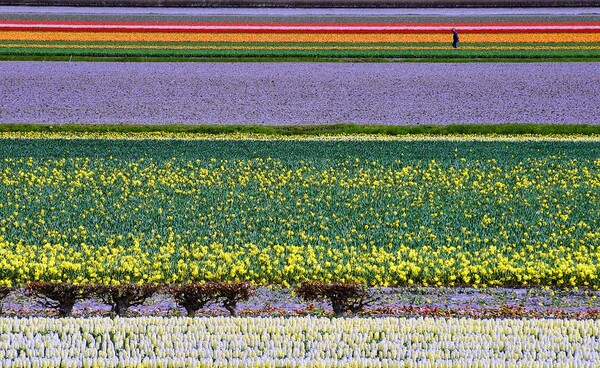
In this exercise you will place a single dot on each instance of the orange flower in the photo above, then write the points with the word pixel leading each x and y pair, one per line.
pixel 300 37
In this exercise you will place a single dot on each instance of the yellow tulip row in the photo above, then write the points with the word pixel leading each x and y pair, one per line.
pixel 162 135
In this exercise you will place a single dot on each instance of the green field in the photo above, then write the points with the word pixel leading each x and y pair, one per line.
pixel 412 51
pixel 432 212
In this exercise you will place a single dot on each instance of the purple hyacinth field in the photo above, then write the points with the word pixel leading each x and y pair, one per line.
pixel 299 93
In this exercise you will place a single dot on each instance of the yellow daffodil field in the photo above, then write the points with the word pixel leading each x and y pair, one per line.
pixel 438 212
pixel 153 222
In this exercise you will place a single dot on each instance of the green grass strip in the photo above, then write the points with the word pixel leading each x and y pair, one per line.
pixel 334 129
pixel 65 50
pixel 17 53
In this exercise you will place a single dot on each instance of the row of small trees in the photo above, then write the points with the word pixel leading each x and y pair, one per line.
pixel 343 297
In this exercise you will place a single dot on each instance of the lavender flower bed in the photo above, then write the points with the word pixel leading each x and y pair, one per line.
pixel 299 93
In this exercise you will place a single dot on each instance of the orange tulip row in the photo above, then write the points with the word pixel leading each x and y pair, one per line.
pixel 576 37
pixel 171 46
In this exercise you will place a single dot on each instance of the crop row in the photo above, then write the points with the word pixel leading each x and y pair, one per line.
pixel 514 53
pixel 385 40
pixel 392 216
pixel 297 342
pixel 341 132
pixel 243 299
pixel 192 297
pixel 374 38
pixel 309 3
pixel 298 27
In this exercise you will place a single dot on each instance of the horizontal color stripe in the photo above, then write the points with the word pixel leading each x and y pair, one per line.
pixel 451 24
pixel 267 47
pixel 295 28
pixel 294 44
pixel 297 37
pixel 309 24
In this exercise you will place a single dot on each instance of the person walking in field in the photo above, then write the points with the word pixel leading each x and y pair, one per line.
pixel 454 38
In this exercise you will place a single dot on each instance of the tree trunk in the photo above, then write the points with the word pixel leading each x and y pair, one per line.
pixel 66 308
pixel 338 308
pixel 191 311
pixel 231 306
pixel 120 307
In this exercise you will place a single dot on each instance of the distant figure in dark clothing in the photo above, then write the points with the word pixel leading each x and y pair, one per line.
pixel 454 38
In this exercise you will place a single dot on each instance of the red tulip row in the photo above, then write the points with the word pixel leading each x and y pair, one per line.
pixel 270 27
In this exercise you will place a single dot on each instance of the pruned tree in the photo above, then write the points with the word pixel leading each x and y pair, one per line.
pixel 61 295
pixel 191 296
pixel 195 296
pixel 229 294
pixel 343 297
pixel 122 297
pixel 4 291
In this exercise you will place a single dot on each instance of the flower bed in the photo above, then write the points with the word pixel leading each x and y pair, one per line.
pixel 372 213
pixel 300 342
pixel 285 39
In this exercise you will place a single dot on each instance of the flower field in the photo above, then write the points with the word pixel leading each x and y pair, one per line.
pixel 300 95
pixel 505 39
pixel 395 212
pixel 297 342
pixel 446 246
